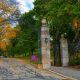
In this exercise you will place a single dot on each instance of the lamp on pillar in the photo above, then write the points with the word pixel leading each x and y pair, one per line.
pixel 46 40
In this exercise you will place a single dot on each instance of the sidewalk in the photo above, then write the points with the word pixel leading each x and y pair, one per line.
pixel 52 73
pixel 67 72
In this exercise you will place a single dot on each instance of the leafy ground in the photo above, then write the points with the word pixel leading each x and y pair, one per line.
pixel 27 60
pixel 77 67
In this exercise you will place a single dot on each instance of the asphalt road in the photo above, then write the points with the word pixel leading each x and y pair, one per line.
pixel 67 72
pixel 13 69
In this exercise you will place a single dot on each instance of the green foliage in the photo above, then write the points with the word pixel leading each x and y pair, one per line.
pixel 27 21
pixel 26 41
pixel 74 62
pixel 59 14
pixel 40 8
pixel 11 50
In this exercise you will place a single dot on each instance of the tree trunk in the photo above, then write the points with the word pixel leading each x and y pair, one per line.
pixel 25 54
pixel 56 51
pixel 13 55
pixel 32 51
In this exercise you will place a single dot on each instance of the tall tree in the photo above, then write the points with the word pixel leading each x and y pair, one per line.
pixel 60 15
pixel 28 35
pixel 7 33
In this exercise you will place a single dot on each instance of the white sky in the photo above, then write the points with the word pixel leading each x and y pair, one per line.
pixel 25 5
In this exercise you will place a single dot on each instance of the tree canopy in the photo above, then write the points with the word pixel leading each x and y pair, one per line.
pixel 8 11
pixel 60 15
pixel 27 37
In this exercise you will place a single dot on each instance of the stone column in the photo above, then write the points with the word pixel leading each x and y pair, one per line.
pixel 64 51
pixel 45 45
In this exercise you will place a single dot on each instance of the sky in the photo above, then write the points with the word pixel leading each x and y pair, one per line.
pixel 25 5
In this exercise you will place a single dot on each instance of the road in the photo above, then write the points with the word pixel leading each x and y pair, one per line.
pixel 67 72
pixel 14 69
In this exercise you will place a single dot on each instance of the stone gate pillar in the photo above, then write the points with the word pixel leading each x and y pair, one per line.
pixel 64 51
pixel 45 45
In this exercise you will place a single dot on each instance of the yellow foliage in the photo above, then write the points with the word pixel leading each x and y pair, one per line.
pixel 76 23
pixel 1 20
pixel 6 9
pixel 3 45
pixel 7 33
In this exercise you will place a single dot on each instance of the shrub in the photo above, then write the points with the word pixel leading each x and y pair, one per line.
pixel 74 62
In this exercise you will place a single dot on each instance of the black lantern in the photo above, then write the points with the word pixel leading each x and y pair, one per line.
pixel 46 40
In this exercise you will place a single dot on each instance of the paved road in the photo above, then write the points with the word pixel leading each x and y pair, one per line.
pixel 67 72
pixel 12 69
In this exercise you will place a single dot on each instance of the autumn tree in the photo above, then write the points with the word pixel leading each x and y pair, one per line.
pixel 9 14
pixel 7 33
pixel 28 35
pixel 8 11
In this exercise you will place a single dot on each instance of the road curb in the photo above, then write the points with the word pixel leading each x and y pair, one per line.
pixel 65 77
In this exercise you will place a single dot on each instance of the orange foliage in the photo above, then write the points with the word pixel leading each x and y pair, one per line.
pixel 7 33
pixel 1 19
pixel 3 45
pixel 6 10
pixel 76 23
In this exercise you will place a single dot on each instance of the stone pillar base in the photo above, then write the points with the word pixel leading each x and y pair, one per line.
pixel 40 66
pixel 46 66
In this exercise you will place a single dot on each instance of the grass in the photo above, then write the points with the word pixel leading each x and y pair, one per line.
pixel 27 60
pixel 0 60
